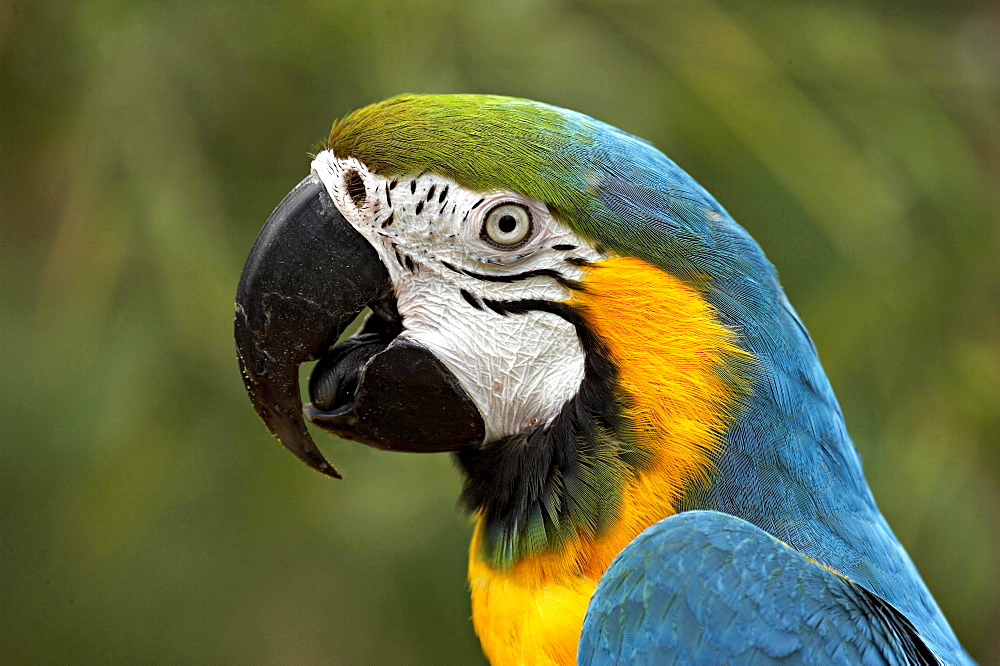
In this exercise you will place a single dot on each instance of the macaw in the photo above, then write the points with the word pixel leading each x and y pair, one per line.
pixel 655 460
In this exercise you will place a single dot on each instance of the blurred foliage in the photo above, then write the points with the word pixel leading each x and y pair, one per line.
pixel 147 516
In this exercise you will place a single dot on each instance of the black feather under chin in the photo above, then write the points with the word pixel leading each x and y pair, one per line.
pixel 537 489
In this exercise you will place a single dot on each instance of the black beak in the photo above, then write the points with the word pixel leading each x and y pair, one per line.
pixel 309 274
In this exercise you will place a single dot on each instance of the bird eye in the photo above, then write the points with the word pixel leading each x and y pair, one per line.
pixel 507 226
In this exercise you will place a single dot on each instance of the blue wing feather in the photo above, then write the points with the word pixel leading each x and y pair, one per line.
pixel 707 587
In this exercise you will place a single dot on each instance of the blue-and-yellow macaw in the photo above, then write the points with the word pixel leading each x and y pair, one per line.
pixel 657 465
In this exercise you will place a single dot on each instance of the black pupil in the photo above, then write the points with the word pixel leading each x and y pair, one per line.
pixel 507 224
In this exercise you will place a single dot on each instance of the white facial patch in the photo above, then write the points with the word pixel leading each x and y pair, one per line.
pixel 451 281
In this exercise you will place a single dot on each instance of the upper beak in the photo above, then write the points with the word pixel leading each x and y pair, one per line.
pixel 308 275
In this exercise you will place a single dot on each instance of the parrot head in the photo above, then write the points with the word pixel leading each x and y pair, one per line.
pixel 550 298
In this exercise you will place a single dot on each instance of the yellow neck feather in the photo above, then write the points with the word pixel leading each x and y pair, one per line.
pixel 668 346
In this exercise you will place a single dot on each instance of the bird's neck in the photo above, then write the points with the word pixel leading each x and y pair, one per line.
pixel 674 380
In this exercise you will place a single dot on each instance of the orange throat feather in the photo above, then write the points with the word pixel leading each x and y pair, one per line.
pixel 682 379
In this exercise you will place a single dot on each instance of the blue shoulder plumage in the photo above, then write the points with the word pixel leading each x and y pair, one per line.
pixel 706 587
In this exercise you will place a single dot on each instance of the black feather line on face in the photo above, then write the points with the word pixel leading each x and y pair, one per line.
pixel 496 306
pixel 538 488
pixel 539 272
pixel 470 299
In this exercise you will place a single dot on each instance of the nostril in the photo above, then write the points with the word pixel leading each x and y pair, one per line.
pixel 355 188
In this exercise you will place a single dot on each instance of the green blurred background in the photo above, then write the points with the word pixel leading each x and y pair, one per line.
pixel 147 517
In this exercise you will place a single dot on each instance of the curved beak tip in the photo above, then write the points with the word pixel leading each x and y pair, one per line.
pixel 318 463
